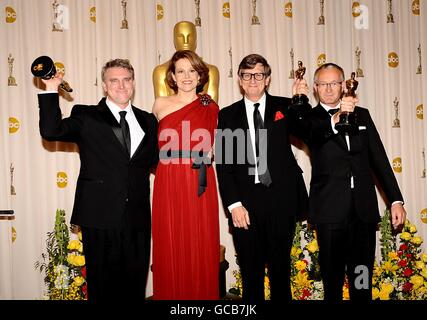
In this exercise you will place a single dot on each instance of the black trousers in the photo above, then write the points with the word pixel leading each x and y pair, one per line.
pixel 347 248
pixel 267 242
pixel 117 262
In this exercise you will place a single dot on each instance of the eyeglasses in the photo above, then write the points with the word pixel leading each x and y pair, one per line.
pixel 331 85
pixel 248 76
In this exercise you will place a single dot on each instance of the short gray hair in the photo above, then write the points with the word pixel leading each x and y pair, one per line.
pixel 118 63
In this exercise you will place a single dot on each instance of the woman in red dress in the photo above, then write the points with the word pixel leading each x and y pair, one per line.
pixel 185 202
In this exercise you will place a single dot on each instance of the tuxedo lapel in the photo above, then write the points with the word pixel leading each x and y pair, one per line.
pixel 112 122
pixel 270 110
pixel 241 119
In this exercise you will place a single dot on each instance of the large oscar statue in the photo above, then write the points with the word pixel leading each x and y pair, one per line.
pixel 185 38
pixel 347 122
pixel 300 99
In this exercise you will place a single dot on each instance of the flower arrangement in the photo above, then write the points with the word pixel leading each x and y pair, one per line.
pixel 237 287
pixel 402 272
pixel 306 283
pixel 64 262
pixel 305 274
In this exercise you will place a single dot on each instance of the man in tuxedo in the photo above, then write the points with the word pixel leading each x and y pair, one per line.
pixel 117 144
pixel 343 203
pixel 264 197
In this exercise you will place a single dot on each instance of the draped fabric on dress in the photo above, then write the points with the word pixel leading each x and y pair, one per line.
pixel 186 226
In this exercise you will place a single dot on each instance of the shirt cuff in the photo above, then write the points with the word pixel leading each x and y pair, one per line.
pixel 45 92
pixel 394 202
pixel 234 205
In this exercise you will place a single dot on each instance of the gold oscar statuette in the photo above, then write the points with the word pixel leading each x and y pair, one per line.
pixel 255 19
pixel 359 71
pixel 396 121
pixel 197 20
pixel 347 122
pixel 230 72
pixel 390 18
pixel 419 68
pixel 300 99
pixel 43 67
pixel 292 72
pixel 56 26
pixel 12 187
pixel 11 81
pixel 321 17
pixel 185 38
pixel 125 24
pixel 424 164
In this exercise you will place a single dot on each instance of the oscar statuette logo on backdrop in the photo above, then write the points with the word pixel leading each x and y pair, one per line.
pixel 396 121
pixel 125 24
pixel 11 81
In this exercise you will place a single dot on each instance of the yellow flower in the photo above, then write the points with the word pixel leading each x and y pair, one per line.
pixel 300 265
pixel 296 251
pixel 345 293
pixel 419 264
pixel 412 228
pixel 389 267
pixel 375 293
pixel 424 257
pixel 424 273
pixel 312 246
pixel 384 295
pixel 73 245
pixel 301 280
pixel 80 236
pixel 416 240
pixel 377 270
pixel 80 260
pixel 384 292
pixel 393 255
pixel 79 281
pixel 387 288
pixel 76 260
pixel 405 236
pixel 422 291
pixel 267 288
pixel 417 281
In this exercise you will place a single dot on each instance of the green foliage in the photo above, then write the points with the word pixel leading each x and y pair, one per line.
pixel 387 237
pixel 63 263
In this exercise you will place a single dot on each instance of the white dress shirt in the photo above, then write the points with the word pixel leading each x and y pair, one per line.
pixel 136 132
pixel 249 107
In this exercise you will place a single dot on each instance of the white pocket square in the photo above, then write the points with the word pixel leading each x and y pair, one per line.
pixel 362 128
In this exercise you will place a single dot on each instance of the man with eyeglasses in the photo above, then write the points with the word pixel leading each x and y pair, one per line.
pixel 264 197
pixel 343 202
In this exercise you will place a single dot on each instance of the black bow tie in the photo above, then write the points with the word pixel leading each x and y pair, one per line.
pixel 333 111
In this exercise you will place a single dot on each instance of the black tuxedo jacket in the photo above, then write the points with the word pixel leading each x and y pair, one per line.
pixel 236 184
pixel 333 165
pixel 109 182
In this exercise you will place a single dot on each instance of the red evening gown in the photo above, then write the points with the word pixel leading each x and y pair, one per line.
pixel 185 225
